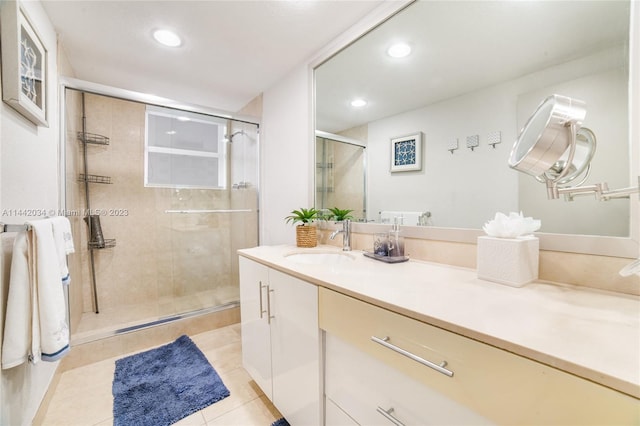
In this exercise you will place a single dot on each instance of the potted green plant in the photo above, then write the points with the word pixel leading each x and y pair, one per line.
pixel 340 214
pixel 306 232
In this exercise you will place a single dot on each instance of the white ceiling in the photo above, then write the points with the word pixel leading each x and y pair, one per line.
pixel 459 47
pixel 232 50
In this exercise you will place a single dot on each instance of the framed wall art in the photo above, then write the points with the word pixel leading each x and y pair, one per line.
pixel 406 153
pixel 24 64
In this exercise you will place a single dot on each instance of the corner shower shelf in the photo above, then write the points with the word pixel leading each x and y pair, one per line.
pixel 108 243
pixel 94 178
pixel 87 139
pixel 93 138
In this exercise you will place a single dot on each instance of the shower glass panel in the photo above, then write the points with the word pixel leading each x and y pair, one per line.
pixel 174 237
pixel 340 176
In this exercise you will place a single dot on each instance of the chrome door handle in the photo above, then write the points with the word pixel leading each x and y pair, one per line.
pixel 209 211
pixel 269 317
pixel 438 367
pixel 260 287
pixel 387 415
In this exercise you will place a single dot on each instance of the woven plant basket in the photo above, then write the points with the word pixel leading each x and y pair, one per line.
pixel 306 236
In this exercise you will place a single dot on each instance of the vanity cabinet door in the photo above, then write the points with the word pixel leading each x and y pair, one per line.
pixel 281 340
pixel 256 330
pixel 295 349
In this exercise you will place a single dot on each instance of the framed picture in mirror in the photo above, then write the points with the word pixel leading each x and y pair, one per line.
pixel 24 64
pixel 406 153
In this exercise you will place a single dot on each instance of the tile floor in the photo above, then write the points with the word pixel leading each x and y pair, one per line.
pixel 83 395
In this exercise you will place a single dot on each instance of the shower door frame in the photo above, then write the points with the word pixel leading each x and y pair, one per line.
pixel 147 99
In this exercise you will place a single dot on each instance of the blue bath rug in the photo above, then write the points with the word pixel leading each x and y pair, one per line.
pixel 163 385
pixel 281 422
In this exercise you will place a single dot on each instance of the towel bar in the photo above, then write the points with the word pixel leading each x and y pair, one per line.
pixel 209 211
pixel 13 228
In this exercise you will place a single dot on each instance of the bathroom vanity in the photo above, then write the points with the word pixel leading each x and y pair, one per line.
pixel 337 338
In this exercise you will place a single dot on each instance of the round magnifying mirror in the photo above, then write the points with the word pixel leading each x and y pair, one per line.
pixel 546 136
pixel 584 151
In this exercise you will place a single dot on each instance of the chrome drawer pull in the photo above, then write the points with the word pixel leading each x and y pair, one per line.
pixel 440 368
pixel 387 414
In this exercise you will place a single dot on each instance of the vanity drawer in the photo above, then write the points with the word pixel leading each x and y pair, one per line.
pixel 335 416
pixel 375 394
pixel 496 384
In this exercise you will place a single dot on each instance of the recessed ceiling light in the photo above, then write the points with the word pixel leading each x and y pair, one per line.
pixel 183 118
pixel 399 50
pixel 358 103
pixel 167 38
pixel 171 132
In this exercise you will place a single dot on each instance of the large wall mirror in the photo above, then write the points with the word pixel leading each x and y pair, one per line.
pixel 474 74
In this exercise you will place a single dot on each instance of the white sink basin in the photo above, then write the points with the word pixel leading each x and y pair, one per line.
pixel 320 258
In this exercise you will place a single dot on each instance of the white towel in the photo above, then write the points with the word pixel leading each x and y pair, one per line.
pixel 37 329
pixel 50 306
pixel 64 245
pixel 16 345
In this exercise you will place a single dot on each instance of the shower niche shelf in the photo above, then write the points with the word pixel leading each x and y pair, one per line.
pixel 93 138
pixel 94 179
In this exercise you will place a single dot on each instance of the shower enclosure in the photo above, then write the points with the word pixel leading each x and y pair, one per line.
pixel 341 174
pixel 175 194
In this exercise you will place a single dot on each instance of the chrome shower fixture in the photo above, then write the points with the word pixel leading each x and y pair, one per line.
pixel 232 135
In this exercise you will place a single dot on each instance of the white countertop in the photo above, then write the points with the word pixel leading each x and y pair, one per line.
pixel 589 333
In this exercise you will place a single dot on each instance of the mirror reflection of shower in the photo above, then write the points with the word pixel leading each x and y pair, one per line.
pixel 341 174
pixel 182 198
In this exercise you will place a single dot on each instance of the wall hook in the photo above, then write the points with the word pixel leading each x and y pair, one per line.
pixel 452 145
pixel 494 138
pixel 473 141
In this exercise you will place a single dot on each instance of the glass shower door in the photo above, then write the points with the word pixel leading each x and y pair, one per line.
pixel 208 225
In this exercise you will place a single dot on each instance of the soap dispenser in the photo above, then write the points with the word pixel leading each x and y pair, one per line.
pixel 396 240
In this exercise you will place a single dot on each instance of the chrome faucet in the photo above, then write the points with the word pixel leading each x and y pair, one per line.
pixel 346 235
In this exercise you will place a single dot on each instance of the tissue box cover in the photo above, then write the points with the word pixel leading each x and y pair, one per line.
pixel 511 261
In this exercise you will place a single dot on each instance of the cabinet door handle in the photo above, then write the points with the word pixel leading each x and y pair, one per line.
pixel 438 367
pixel 387 415
pixel 260 287
pixel 269 317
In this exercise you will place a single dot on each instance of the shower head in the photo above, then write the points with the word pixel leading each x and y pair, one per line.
pixel 239 132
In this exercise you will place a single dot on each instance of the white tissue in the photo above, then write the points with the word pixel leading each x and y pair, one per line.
pixel 512 226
